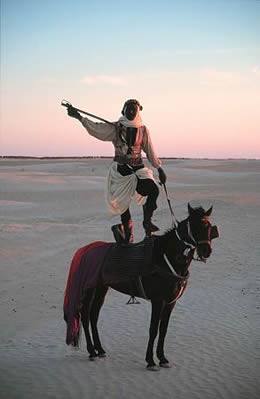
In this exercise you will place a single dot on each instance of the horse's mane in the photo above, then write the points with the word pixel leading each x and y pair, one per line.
pixel 198 212
pixel 167 235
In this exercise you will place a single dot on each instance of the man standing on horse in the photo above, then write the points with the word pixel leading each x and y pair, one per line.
pixel 127 173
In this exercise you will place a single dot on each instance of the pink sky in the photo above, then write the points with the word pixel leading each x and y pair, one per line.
pixel 203 113
pixel 194 66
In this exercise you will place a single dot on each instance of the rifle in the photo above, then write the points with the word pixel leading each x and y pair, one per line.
pixel 67 104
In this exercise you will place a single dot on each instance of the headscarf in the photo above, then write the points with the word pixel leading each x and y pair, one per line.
pixel 136 122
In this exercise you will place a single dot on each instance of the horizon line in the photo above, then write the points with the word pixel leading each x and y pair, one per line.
pixel 111 157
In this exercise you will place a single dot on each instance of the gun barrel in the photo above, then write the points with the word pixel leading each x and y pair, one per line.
pixel 67 104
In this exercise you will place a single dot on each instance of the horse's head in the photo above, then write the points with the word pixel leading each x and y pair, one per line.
pixel 200 232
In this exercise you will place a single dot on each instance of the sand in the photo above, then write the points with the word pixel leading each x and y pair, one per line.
pixel 49 208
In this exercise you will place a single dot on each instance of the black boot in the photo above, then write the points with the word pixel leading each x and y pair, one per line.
pixel 123 233
pixel 149 227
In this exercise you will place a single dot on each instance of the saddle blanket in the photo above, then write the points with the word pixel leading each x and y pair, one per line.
pixel 84 273
pixel 124 263
pixel 104 262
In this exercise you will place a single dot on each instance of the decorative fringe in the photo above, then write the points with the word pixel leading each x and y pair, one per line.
pixel 76 333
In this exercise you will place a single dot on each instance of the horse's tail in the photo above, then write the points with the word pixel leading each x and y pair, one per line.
pixel 76 285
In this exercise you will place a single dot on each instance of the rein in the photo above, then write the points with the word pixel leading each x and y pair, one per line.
pixel 174 219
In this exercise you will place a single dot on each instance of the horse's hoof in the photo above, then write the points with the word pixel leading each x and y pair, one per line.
pixel 92 358
pixel 153 368
pixel 165 365
pixel 102 355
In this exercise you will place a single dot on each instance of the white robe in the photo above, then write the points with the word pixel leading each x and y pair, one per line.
pixel 120 190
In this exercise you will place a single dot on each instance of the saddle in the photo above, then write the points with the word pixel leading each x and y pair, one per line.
pixel 124 263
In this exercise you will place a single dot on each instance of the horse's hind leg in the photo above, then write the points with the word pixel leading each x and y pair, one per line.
pixel 85 317
pixel 94 315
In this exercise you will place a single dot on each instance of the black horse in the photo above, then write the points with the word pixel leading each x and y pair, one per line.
pixel 171 256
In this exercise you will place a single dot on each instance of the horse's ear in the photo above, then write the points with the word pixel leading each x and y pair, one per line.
pixel 190 209
pixel 209 211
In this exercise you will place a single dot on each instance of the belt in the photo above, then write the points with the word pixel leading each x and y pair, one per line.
pixel 123 159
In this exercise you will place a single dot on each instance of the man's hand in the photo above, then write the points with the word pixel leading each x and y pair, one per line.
pixel 73 113
pixel 162 176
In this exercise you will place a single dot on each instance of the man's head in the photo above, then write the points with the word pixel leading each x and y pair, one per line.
pixel 130 109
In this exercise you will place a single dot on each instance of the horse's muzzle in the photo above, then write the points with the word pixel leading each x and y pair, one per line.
pixel 214 232
pixel 204 251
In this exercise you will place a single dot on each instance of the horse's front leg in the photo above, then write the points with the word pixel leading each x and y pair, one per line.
pixel 165 317
pixel 157 307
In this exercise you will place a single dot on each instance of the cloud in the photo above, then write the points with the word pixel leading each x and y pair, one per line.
pixel 167 80
pixel 112 80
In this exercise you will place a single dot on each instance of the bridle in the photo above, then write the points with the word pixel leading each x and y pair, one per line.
pixel 190 241
pixel 176 224
pixel 190 235
pixel 191 245
pixel 195 243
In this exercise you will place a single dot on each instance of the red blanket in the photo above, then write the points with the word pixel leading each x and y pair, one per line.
pixel 84 273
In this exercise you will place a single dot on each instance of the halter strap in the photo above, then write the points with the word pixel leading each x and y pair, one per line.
pixel 183 279
pixel 190 234
pixel 191 245
pixel 173 270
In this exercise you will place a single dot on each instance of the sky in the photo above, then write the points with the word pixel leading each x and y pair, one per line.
pixel 194 65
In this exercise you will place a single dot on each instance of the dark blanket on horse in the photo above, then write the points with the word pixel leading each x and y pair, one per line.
pixel 84 273
pixel 123 263
pixel 104 262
